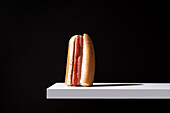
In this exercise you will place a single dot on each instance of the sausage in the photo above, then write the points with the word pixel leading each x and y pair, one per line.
pixel 77 60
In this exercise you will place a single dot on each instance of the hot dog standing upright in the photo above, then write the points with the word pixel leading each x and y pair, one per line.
pixel 80 66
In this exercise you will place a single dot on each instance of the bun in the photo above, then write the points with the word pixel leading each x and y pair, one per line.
pixel 88 62
pixel 69 66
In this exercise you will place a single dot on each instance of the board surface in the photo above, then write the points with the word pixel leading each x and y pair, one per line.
pixel 110 91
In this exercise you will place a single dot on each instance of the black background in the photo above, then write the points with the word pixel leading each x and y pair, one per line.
pixel 130 40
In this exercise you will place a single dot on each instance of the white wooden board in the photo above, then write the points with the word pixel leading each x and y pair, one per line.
pixel 110 91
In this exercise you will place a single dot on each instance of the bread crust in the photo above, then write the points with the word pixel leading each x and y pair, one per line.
pixel 88 62
pixel 70 60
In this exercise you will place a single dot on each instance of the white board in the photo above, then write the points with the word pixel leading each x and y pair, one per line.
pixel 110 91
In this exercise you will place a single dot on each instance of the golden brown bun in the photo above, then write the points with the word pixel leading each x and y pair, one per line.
pixel 70 58
pixel 88 62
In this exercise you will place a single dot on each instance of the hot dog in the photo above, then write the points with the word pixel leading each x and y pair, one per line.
pixel 80 66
